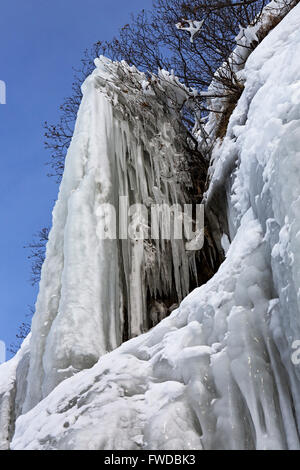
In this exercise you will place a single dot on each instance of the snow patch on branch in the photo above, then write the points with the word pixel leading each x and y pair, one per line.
pixel 192 26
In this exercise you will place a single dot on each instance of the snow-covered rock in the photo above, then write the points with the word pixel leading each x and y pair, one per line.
pixel 217 373
pixel 233 68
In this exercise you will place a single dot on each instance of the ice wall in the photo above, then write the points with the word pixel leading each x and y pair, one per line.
pixel 217 373
pixel 128 142
pixel 12 392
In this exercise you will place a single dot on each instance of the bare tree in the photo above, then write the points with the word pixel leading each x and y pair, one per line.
pixel 152 41
pixel 37 254
pixel 22 333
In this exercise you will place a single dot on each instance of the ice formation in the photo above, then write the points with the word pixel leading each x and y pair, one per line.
pixel 126 150
pixel 12 392
pixel 218 372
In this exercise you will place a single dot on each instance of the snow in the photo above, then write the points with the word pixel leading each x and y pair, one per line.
pixel 246 36
pixel 217 373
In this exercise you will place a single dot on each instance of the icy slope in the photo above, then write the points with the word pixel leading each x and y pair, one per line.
pixel 217 373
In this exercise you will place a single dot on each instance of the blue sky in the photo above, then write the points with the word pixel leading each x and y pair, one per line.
pixel 40 42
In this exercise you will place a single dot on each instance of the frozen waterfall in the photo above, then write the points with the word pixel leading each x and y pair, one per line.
pixel 217 373
pixel 96 288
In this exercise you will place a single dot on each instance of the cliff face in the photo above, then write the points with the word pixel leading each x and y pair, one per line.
pixel 218 372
